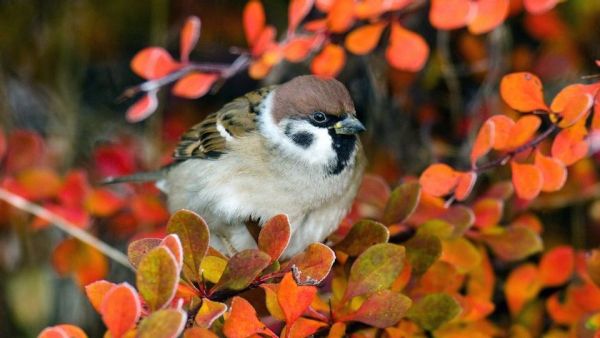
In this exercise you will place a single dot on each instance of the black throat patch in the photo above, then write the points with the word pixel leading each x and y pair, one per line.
pixel 343 145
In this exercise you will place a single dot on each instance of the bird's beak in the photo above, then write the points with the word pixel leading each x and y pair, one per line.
pixel 349 126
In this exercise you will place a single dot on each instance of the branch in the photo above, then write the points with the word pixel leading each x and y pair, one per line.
pixel 64 225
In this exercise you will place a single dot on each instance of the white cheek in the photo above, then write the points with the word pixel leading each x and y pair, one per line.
pixel 320 152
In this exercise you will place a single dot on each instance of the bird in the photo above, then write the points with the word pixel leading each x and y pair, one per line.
pixel 288 149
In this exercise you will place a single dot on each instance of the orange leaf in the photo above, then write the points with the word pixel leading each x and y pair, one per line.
pixel 450 14
pixel 340 16
pixel 25 149
pixel 254 21
pixel 557 266
pixel 153 63
pixel 523 130
pixel 489 14
pixel 198 332
pixel 297 10
pixel 488 212
pixel 242 321
pixel 264 41
pixel 189 37
pixel 539 6
pixel 324 5
pixel 39 183
pixel 569 145
pixel 567 313
pixel 301 328
pixel 298 48
pixel 314 263
pixel 482 279
pixel 523 92
pixel 120 309
pixel 484 141
pixel 294 299
pixel 194 85
pixel 173 243
pixel 466 182
pixel 143 108
pixel 527 179
pixel 85 262
pixel 149 209
pixel 364 39
pixel 554 172
pixel 402 40
pixel 329 62
pixel 563 97
pixel 502 128
pixel 522 285
pixel 96 292
pixel 576 109
pixel 103 202
pixel 369 9
pixel 259 69
pixel 439 179
pixel 62 331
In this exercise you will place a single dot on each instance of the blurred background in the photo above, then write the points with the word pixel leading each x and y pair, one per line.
pixel 65 63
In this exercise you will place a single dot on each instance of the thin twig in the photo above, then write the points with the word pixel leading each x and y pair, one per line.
pixel 64 225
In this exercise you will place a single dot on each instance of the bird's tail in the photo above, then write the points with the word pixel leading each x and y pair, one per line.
pixel 135 178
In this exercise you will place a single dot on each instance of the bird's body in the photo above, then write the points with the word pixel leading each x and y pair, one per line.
pixel 288 149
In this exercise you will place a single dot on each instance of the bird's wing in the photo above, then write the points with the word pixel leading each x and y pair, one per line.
pixel 209 138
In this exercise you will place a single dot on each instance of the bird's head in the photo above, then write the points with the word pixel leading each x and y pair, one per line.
pixel 313 119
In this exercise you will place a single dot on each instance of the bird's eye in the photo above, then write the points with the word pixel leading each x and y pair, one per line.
pixel 319 117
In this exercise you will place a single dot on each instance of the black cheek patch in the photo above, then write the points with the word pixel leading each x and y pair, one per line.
pixel 303 139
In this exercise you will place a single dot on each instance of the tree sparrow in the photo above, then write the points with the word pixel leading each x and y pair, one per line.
pixel 289 149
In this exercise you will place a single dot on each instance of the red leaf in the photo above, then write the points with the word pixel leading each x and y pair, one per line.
pixel 527 179
pixel 557 266
pixel 242 321
pixel 96 292
pixel 522 285
pixel 554 172
pixel 382 309
pixel 314 263
pixel 438 179
pixel 523 92
pixel 3 145
pixel 114 160
pixel 189 37
pixel 254 21
pixel 85 262
pixel 340 16
pixel 488 212
pixel 103 202
pixel 294 299
pixel 149 209
pixel 402 40
pixel 153 63
pixel 484 141
pixel 539 6
pixel 264 42
pixel 297 10
pixel 451 14
pixel 275 236
pixel 25 149
pixel 466 182
pixel 364 39
pixel 62 331
pixel 120 309
pixel 143 108
pixel 194 85
pixel 173 243
pixel 489 14
pixel 329 62
pixel 74 189
pixel 242 269
pixel 569 145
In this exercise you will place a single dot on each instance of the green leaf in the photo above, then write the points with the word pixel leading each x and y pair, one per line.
pixel 275 236
pixel 314 263
pixel 402 203
pixel 168 323
pixel 433 310
pixel 194 236
pixel 382 309
pixel 364 234
pixel 437 227
pixel 157 277
pixel 138 249
pixel 422 251
pixel 242 269
pixel 513 243
pixel 375 269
